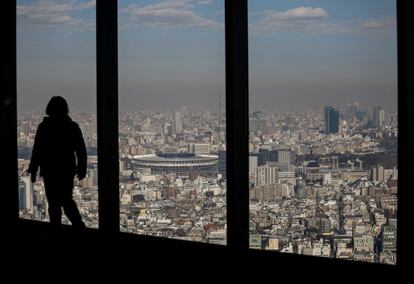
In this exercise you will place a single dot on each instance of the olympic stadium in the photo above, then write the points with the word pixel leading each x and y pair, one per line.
pixel 181 164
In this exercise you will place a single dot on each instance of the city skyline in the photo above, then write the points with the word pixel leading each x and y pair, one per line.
pixel 214 109
pixel 312 191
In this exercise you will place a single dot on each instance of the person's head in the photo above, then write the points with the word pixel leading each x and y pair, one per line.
pixel 57 106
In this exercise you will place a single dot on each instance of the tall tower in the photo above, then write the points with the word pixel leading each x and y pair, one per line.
pixel 331 120
pixel 378 116
pixel 25 194
pixel 222 165
pixel 351 111
pixel 221 129
pixel 178 125
pixel 219 113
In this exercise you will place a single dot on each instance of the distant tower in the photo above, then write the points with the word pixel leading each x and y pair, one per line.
pixel 222 164
pixel 331 120
pixel 351 111
pixel 380 174
pixel 219 113
pixel 378 116
pixel 381 117
pixel 178 125
pixel 25 194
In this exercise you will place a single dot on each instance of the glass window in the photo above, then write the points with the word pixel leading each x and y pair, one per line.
pixel 323 128
pixel 56 57
pixel 172 119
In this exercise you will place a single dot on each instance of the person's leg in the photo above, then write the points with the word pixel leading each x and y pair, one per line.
pixel 69 205
pixel 55 210
pixel 72 212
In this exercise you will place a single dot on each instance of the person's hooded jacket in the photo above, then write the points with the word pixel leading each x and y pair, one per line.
pixel 59 148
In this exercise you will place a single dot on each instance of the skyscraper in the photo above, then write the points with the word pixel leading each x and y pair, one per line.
pixel 351 111
pixel 219 114
pixel 222 163
pixel 25 194
pixel 331 120
pixel 263 157
pixel 253 162
pixel 378 116
pixel 178 125
pixel 256 125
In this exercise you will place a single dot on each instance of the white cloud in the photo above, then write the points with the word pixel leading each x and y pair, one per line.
pixel 88 5
pixel 312 21
pixel 294 19
pixel 49 12
pixel 170 13
pixel 301 13
pixel 204 2
pixel 381 23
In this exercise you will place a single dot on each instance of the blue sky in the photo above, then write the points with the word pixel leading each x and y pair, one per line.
pixel 171 53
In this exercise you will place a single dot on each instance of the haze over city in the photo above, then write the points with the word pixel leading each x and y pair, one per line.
pixel 303 54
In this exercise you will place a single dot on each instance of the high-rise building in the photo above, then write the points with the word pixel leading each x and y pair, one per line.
pixel 263 157
pixel 219 114
pixel 380 174
pixel 389 238
pixel 25 194
pixel 351 111
pixel 178 125
pixel 253 162
pixel 382 117
pixel 222 163
pixel 377 117
pixel 331 120
pixel 256 125
pixel 361 115
pixel 300 189
pixel 273 156
pixel 373 174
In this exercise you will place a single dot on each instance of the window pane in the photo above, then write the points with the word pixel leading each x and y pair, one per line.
pixel 172 120
pixel 56 57
pixel 323 128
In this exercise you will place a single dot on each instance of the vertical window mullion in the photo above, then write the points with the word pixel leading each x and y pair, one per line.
pixel 237 104
pixel 8 116
pixel 406 135
pixel 107 114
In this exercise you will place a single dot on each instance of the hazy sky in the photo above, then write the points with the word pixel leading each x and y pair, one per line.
pixel 171 53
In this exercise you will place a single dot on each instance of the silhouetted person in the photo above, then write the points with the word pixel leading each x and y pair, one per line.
pixel 60 152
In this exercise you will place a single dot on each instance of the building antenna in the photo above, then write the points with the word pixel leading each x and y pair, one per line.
pixel 219 113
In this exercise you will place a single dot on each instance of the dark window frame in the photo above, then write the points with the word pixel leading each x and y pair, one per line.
pixel 236 35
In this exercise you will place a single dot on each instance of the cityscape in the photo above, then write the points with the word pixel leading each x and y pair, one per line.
pixel 323 121
pixel 322 182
